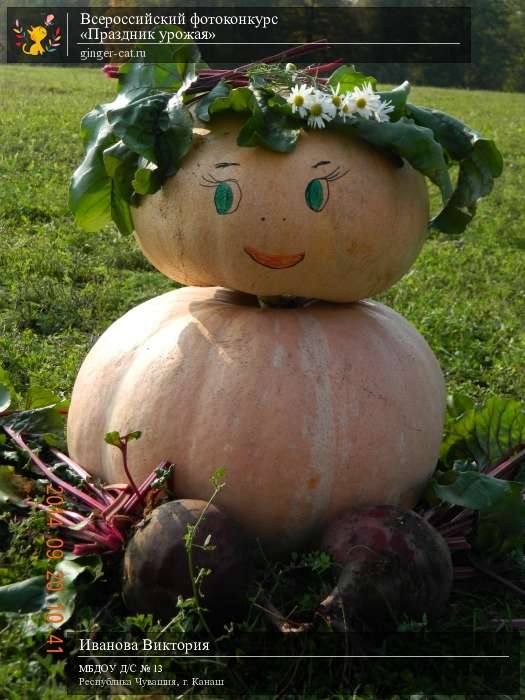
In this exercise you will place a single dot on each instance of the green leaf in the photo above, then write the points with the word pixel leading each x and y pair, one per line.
pixel 174 139
pixel 237 100
pixel 248 135
pixel 240 99
pixel 24 596
pixel 70 569
pixel 136 123
pixel 223 98
pixel 407 140
pixel 273 133
pixel 398 97
pixel 473 490
pixel 219 474
pixel 146 179
pixel 117 440
pixel 485 435
pixel 458 405
pixel 5 398
pixel 520 477
pixel 115 156
pixel 90 188
pixel 154 76
pixel 137 131
pixel 162 476
pixel 279 104
pixel 120 163
pixel 31 596
pixel 457 138
pixel 5 380
pixel 169 66
pixel 501 528
pixel 113 438
pixel 220 104
pixel 479 161
pixel 46 422
pixel 267 128
pixel 452 219
pixel 8 490
pixel 349 78
pixel 120 209
pixel 221 90
pixel 40 397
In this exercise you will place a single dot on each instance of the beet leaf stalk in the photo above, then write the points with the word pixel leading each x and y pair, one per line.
pixel 208 78
pixel 493 494
pixel 121 442
pixel 98 516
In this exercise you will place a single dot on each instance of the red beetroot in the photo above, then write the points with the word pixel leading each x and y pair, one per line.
pixel 391 563
pixel 156 565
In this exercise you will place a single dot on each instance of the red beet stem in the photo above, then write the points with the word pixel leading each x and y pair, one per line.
pixel 17 438
pixel 507 464
pixel 324 68
pixel 133 499
pixel 302 50
pixel 457 543
pixel 104 497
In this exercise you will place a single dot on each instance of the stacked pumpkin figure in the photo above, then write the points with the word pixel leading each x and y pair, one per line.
pixel 311 410
pixel 272 362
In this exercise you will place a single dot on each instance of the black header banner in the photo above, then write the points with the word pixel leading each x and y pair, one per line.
pixel 99 35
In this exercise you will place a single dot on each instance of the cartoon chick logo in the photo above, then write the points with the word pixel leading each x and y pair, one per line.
pixel 36 41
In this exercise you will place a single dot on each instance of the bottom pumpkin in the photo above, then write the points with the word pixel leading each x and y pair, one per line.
pixel 311 411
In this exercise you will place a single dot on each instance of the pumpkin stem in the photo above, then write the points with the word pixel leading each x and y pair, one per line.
pixel 285 301
pixel 270 302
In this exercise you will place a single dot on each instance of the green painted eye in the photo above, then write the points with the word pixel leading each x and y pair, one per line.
pixel 316 194
pixel 223 198
pixel 227 194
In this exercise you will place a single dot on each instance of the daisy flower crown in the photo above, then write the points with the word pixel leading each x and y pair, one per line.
pixel 133 144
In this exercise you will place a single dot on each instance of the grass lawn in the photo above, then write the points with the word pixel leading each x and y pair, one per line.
pixel 61 287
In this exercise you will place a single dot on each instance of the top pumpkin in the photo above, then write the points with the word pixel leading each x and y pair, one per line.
pixel 334 220
pixel 341 217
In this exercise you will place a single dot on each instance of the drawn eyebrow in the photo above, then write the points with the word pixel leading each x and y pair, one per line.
pixel 321 162
pixel 225 165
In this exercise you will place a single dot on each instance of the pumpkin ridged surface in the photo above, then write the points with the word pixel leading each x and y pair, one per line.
pixel 309 410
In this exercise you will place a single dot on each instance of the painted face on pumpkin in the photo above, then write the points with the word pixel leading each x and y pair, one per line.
pixel 228 195
pixel 335 219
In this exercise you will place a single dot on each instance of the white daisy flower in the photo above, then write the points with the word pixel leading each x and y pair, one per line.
pixel 382 112
pixel 336 97
pixel 366 100
pixel 320 109
pixel 348 107
pixel 298 99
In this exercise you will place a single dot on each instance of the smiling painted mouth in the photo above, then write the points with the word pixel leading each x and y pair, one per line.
pixel 275 262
